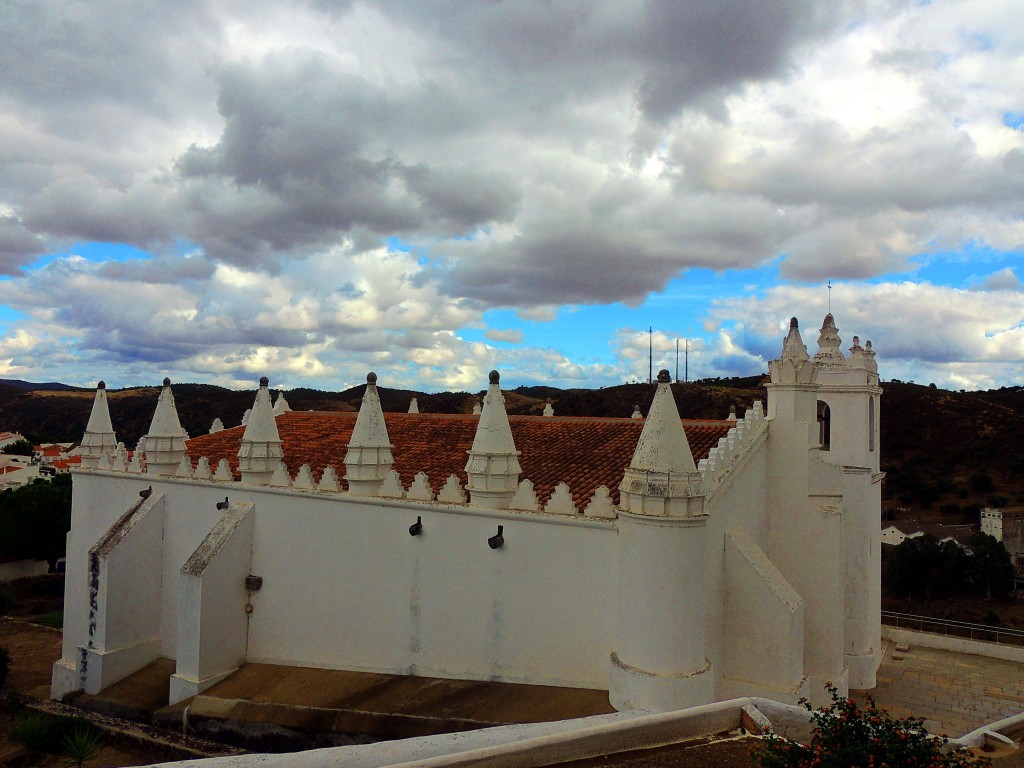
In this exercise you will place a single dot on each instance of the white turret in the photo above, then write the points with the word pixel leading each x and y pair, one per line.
pixel 662 571
pixel 549 409
pixel 281 405
pixel 493 467
pixel 165 443
pixel 849 399
pixel 260 451
pixel 414 406
pixel 369 456
pixel 792 386
pixel 829 354
pixel 662 478
pixel 99 436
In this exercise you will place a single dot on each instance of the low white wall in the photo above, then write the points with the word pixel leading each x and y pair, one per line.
pixel 950 643
pixel 506 747
pixel 23 569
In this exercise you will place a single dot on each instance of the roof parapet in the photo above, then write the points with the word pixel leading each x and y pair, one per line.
pixel 260 451
pixel 493 466
pixel 165 441
pixel 662 478
pixel 369 458
pixel 99 435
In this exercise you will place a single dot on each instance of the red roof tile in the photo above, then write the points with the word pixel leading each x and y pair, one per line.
pixel 582 452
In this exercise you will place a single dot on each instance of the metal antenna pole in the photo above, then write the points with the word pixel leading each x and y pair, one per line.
pixel 687 361
pixel 677 361
pixel 650 354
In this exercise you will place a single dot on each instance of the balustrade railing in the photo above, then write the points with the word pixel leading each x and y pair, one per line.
pixel 988 633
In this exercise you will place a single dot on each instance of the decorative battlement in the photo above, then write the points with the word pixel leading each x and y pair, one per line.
pixel 554 485
pixel 732 449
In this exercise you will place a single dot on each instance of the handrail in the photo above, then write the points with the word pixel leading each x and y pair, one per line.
pixel 987 633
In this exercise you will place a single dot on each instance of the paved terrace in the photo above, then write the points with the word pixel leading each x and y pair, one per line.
pixel 954 692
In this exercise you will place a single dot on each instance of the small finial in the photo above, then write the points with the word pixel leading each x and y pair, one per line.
pixel 101 385
pixel 664 377
pixel 264 381
pixel 371 378
pixel 493 377
pixel 867 344
pixel 793 323
pixel 167 382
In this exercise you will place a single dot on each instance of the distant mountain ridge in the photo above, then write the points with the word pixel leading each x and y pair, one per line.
pixel 941 450
pixel 33 385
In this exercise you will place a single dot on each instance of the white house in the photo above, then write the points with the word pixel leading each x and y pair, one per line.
pixel 669 562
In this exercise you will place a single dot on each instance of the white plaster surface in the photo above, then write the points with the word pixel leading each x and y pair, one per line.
pixel 703 584
pixel 212 621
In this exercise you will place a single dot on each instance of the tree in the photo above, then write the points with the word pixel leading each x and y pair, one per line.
pixel 35 519
pixel 991 565
pixel 19 448
pixel 845 735
pixel 915 565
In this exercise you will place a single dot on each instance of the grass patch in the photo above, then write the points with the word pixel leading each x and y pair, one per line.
pixel 53 619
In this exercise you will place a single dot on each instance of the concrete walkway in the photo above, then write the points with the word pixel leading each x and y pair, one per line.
pixel 954 692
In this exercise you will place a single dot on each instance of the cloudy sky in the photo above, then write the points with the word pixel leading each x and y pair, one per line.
pixel 215 190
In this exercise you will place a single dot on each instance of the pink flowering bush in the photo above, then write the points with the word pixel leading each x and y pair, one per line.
pixel 845 736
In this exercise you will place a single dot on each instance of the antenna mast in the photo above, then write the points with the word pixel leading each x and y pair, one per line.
pixel 650 354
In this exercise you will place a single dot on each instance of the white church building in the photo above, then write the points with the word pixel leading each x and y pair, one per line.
pixel 669 562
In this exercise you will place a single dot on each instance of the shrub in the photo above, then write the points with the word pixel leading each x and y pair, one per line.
pixel 982 482
pixel 36 731
pixel 82 743
pixel 15 702
pixel 53 619
pixel 46 733
pixel 845 735
pixel 6 598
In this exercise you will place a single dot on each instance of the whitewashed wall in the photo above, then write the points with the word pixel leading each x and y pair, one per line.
pixel 346 586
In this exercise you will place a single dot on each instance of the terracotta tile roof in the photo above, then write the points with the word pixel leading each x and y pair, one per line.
pixel 583 452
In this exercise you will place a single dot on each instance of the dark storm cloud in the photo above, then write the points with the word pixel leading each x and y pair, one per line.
pixel 75 64
pixel 693 48
pixel 18 246
pixel 301 161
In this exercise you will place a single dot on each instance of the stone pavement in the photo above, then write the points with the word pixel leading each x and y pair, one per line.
pixel 954 692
